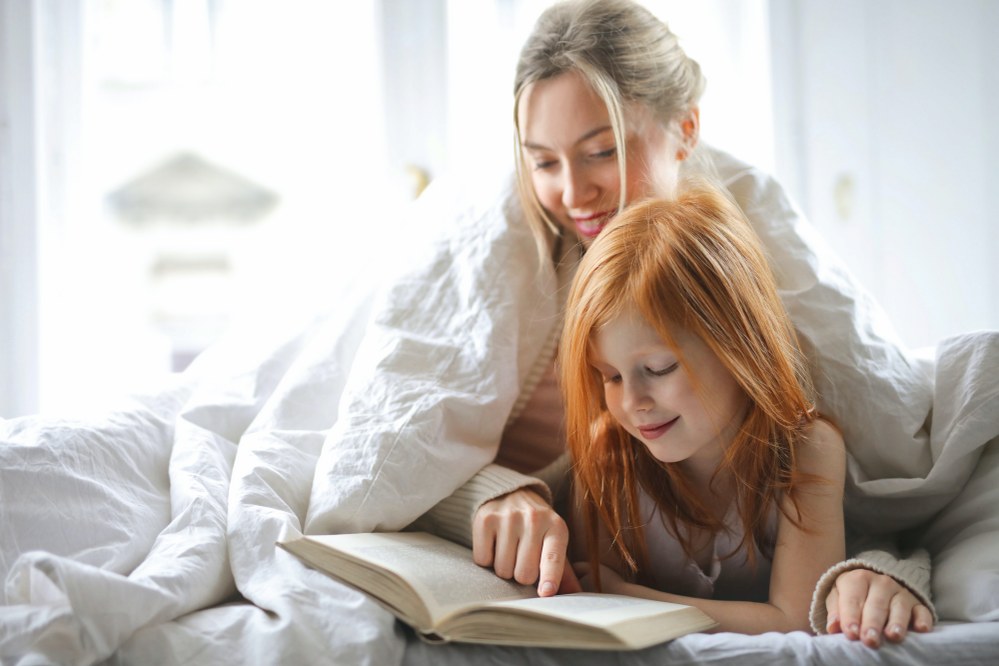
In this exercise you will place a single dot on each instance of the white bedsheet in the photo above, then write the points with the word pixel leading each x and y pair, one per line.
pixel 214 520
pixel 146 535
pixel 952 644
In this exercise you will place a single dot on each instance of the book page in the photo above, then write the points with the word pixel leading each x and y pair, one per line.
pixel 458 600
pixel 440 571
pixel 582 620
pixel 597 609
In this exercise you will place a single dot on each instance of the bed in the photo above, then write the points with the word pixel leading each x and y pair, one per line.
pixel 145 534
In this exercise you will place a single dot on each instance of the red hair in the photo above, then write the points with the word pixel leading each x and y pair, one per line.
pixel 693 262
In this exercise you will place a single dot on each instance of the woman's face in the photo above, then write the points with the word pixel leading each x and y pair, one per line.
pixel 569 149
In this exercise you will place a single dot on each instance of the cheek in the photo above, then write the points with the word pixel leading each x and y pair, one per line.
pixel 546 191
pixel 613 400
pixel 738 402
pixel 681 395
pixel 728 405
pixel 608 179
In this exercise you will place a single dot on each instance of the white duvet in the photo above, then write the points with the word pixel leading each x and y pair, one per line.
pixel 146 534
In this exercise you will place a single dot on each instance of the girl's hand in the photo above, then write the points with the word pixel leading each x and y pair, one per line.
pixel 866 605
pixel 521 537
pixel 611 581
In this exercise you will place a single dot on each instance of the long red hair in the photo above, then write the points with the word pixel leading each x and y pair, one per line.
pixel 693 262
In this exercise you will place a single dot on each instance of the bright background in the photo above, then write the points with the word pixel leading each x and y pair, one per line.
pixel 878 115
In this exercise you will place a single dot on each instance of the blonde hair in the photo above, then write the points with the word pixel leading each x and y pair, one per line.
pixel 693 263
pixel 626 55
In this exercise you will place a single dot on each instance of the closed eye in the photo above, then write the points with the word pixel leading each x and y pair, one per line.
pixel 663 372
pixel 604 154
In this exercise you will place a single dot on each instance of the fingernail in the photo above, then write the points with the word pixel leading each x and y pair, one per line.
pixel 547 588
pixel 871 635
pixel 895 630
pixel 854 629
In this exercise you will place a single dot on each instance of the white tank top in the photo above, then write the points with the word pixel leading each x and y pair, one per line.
pixel 729 578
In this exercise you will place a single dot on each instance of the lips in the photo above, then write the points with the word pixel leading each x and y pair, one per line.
pixel 655 431
pixel 590 226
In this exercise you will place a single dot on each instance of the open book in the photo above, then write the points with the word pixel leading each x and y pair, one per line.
pixel 434 586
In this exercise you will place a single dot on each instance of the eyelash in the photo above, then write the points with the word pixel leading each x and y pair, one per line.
pixel 601 155
pixel 616 379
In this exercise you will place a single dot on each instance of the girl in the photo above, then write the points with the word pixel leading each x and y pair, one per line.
pixel 702 472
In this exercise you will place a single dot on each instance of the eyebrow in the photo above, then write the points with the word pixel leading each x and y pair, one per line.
pixel 589 135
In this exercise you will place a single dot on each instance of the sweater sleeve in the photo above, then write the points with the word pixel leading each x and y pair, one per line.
pixel 912 572
pixel 452 517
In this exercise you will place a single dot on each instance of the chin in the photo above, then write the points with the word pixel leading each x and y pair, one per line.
pixel 660 454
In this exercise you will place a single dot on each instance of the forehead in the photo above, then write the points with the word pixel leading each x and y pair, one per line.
pixel 566 99
pixel 566 105
pixel 628 333
pixel 624 333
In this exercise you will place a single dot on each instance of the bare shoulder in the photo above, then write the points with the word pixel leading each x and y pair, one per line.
pixel 822 450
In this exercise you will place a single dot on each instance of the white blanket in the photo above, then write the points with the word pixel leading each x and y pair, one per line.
pixel 146 535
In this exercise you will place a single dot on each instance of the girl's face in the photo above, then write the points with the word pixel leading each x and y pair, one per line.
pixel 569 149
pixel 655 399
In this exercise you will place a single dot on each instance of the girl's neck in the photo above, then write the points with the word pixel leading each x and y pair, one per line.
pixel 705 470
pixel 715 491
pixel 701 467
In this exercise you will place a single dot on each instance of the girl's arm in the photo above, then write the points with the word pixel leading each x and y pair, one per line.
pixel 801 555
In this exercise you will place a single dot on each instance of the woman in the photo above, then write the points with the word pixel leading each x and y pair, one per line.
pixel 606 113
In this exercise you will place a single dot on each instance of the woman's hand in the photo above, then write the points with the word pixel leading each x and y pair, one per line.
pixel 866 605
pixel 521 537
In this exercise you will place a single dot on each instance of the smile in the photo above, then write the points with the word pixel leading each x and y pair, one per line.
pixel 590 226
pixel 651 432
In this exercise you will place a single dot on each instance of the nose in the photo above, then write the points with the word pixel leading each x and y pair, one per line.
pixel 577 187
pixel 636 396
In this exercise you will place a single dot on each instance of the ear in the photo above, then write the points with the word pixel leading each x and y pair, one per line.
pixel 690 127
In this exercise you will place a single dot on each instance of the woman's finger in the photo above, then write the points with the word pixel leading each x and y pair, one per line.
pixel 899 616
pixel 922 619
pixel 532 530
pixel 832 612
pixel 484 528
pixel 880 593
pixel 552 558
pixel 852 587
